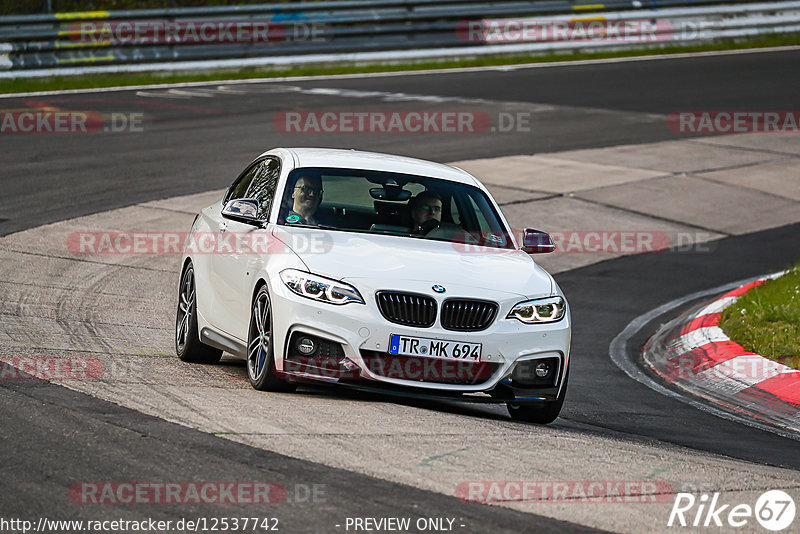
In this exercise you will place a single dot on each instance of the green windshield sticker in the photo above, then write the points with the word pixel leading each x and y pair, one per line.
pixel 293 218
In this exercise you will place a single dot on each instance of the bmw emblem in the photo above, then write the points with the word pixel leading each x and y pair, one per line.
pixel 438 288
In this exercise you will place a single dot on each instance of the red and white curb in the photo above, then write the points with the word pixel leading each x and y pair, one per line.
pixel 694 353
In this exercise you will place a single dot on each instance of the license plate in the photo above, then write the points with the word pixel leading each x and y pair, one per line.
pixel 434 348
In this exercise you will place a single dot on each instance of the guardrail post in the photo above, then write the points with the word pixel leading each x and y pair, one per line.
pixel 5 61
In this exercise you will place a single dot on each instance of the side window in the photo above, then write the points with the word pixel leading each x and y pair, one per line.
pixel 479 216
pixel 489 224
pixel 455 215
pixel 239 187
pixel 265 181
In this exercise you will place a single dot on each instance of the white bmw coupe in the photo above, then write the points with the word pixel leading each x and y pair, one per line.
pixel 376 272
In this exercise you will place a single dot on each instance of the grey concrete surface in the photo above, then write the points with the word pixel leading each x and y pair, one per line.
pixel 551 174
pixel 776 178
pixel 672 156
pixel 777 143
pixel 711 205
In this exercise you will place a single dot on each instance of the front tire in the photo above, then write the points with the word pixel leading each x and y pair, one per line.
pixel 542 414
pixel 260 351
pixel 187 343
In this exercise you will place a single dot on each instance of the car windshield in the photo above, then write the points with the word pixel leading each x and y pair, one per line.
pixel 390 203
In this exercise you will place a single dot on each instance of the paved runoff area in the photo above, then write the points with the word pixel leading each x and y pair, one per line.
pixel 113 314
pixel 601 203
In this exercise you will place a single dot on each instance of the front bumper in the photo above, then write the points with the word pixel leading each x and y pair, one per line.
pixel 364 334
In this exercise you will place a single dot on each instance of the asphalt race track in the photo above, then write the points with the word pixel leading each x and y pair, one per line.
pixel 197 139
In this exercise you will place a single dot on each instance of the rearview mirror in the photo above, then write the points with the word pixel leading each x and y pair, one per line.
pixel 391 190
pixel 242 209
pixel 381 193
pixel 537 242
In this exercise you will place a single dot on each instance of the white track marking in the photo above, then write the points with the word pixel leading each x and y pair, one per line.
pixel 384 96
pixel 699 337
pixel 717 306
pixel 746 371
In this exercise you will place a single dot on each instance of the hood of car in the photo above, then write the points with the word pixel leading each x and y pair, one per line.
pixel 393 259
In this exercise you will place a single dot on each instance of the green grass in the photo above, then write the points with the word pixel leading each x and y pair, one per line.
pixel 112 80
pixel 766 319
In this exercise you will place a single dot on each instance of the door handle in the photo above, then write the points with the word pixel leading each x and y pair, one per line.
pixel 223 226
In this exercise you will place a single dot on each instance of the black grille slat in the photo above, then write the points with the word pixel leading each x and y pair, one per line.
pixel 486 314
pixel 468 315
pixel 407 309
pixel 399 312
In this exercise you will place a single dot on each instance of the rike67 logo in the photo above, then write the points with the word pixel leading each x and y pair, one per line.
pixel 774 510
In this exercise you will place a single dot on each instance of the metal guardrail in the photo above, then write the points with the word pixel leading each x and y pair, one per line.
pixel 136 37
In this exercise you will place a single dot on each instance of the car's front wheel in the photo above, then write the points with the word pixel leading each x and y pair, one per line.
pixel 187 343
pixel 543 413
pixel 260 351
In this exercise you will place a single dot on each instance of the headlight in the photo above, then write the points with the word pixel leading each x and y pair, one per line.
pixel 546 310
pixel 320 288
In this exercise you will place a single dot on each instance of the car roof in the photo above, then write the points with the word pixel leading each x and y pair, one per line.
pixel 357 159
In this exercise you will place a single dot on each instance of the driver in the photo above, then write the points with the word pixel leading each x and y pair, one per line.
pixel 426 212
pixel 306 196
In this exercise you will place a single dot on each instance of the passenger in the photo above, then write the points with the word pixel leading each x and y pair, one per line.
pixel 307 195
pixel 426 212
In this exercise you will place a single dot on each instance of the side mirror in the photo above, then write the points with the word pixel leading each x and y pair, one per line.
pixel 243 210
pixel 537 242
